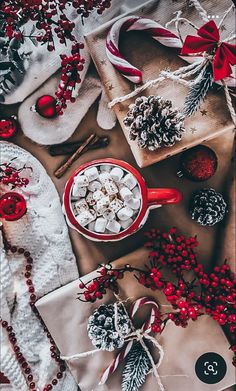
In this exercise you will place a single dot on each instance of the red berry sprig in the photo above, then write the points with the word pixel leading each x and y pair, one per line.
pixel 70 76
pixel 50 21
pixel 10 175
pixel 107 280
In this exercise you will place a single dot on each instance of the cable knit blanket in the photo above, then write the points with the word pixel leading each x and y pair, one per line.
pixel 44 233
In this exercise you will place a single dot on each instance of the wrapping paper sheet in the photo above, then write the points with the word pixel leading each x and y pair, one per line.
pixel 151 57
pixel 182 347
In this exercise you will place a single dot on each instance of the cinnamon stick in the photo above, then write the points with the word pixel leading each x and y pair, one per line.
pixel 82 148
pixel 69 148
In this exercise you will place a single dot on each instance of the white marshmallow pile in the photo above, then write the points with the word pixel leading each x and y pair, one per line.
pixel 105 199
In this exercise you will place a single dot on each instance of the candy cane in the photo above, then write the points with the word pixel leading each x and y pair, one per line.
pixel 152 28
pixel 154 311
pixel 115 363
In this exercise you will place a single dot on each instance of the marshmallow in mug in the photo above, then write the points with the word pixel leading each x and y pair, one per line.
pixel 116 174
pixel 108 198
pixel 81 181
pixel 104 177
pixel 108 215
pixel 113 226
pixel 89 199
pixel 133 203
pixel 126 194
pixel 84 218
pixel 111 187
pixel 91 173
pixel 94 186
pixel 129 181
pixel 103 204
pixel 81 206
pixel 79 191
pixel 100 225
pixel 125 213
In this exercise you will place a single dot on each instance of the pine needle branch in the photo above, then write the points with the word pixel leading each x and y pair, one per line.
pixel 198 92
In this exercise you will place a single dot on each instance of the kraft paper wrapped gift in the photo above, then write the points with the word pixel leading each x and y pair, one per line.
pixel 213 118
pixel 66 318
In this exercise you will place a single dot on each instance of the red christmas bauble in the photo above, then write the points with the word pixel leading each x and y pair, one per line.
pixel 8 127
pixel 12 206
pixel 46 106
pixel 198 163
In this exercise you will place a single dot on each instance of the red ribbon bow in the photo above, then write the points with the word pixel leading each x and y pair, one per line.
pixel 209 41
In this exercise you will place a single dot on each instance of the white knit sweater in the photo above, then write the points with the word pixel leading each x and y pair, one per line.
pixel 44 233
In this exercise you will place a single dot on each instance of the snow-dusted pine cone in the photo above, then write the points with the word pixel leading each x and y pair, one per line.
pixel 207 207
pixel 154 123
pixel 101 327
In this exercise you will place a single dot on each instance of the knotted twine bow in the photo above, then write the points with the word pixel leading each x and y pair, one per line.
pixel 136 335
pixel 224 54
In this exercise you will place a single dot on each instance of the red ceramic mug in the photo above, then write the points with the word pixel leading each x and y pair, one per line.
pixel 150 199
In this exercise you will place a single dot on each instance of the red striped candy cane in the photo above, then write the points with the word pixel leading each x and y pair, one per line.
pixel 152 28
pixel 115 363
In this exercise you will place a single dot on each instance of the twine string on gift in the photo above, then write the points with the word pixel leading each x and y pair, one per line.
pixel 202 12
pixel 135 335
pixel 179 75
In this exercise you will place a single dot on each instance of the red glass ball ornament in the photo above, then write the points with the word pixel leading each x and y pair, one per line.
pixel 8 127
pixel 198 163
pixel 12 206
pixel 46 106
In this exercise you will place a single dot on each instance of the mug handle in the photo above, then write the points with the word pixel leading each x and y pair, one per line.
pixel 163 196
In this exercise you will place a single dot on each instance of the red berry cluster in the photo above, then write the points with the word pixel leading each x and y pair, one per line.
pixel 218 294
pixel 213 293
pixel 50 20
pixel 169 249
pixel 71 66
pixel 9 175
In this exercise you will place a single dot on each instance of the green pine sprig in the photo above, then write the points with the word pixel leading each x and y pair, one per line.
pixel 198 92
pixel 137 366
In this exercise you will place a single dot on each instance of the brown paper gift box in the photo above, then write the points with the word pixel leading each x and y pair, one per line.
pixel 151 57
pixel 66 318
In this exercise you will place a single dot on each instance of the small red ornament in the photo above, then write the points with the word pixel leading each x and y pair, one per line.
pixel 8 127
pixel 46 106
pixel 12 206
pixel 198 163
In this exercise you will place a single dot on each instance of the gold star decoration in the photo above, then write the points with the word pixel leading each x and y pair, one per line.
pixel 193 130
pixel 110 87
pixel 223 28
pixel 203 112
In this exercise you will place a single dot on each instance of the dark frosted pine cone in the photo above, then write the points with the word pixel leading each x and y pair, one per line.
pixel 154 123
pixel 101 327
pixel 207 207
